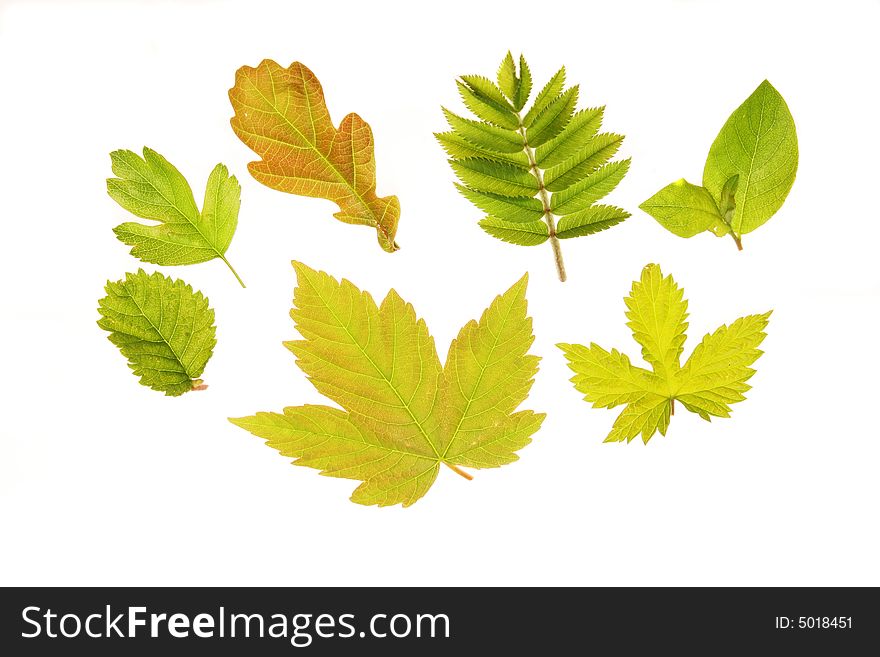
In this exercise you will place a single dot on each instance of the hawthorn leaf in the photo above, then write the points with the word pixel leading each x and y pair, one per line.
pixel 150 187
pixel 748 174
pixel 714 376
pixel 164 329
pixel 402 414
pixel 548 165
pixel 281 115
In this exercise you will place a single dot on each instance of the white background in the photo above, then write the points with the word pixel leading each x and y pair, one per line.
pixel 103 481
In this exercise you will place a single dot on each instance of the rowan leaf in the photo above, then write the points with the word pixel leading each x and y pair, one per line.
pixel 281 115
pixel 164 329
pixel 401 413
pixel 713 377
pixel 748 174
pixel 523 233
pixel 150 187
pixel 551 156
pixel 592 220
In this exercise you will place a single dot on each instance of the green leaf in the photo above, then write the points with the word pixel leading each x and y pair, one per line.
pixel 495 177
pixel 164 329
pixel 580 130
pixel 558 165
pixel 554 118
pixel 524 85
pixel 590 189
pixel 505 207
pixel 485 89
pixel 486 109
pixel 759 144
pixel 402 414
pixel 591 220
pixel 657 311
pixel 522 233
pixel 152 188
pixel 507 80
pixel 546 96
pixel 713 377
pixel 460 148
pixel 683 209
pixel 597 152
pixel 484 135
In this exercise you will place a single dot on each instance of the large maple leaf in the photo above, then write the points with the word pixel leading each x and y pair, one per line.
pixel 402 414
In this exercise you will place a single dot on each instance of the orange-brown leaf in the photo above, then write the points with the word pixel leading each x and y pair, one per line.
pixel 281 115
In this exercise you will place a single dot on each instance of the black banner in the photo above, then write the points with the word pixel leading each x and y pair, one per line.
pixel 431 621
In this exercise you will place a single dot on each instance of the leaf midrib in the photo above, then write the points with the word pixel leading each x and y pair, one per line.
pixel 162 335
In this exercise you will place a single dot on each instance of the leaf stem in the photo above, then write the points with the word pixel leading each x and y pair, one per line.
pixel 545 201
pixel 232 269
pixel 737 239
pixel 458 471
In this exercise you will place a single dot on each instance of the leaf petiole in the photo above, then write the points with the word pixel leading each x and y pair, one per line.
pixel 458 471
pixel 232 269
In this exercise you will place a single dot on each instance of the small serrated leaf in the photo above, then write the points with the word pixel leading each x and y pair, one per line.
pixel 484 135
pixel 594 154
pixel 590 189
pixel 550 91
pixel 583 127
pixel 589 221
pixel 495 177
pixel 487 110
pixel 514 209
pixel 522 233
pixel 524 84
pixel 459 148
pixel 507 80
pixel 554 118
pixel 164 329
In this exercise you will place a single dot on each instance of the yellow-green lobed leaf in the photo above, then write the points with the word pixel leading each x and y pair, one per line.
pixel 713 378
pixel 152 188
pixel 402 414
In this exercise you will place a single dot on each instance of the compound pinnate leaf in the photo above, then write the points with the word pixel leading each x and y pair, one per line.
pixel 150 187
pixel 714 377
pixel 402 414
pixel 749 172
pixel 551 156
pixel 281 115
pixel 164 329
